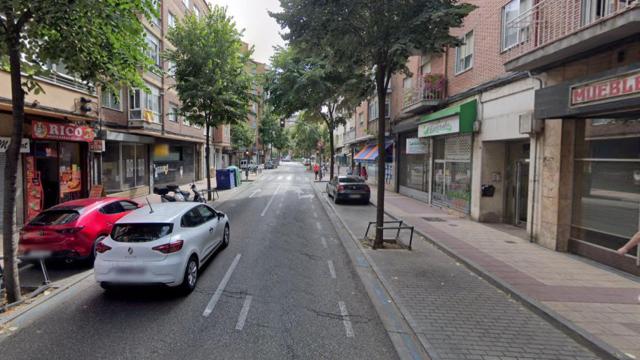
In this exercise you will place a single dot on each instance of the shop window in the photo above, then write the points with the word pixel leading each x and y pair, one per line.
pixel 124 166
pixel 414 168
pixel 606 202
pixel 464 53
pixel 111 167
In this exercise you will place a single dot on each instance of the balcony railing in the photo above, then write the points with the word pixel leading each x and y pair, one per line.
pixel 551 20
pixel 372 127
pixel 426 95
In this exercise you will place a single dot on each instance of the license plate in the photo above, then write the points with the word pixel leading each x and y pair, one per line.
pixel 354 196
pixel 130 270
pixel 39 254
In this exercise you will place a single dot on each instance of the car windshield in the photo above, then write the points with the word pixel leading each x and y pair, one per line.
pixel 349 180
pixel 55 217
pixel 140 232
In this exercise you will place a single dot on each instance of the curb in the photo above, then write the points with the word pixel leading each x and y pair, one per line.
pixel 406 341
pixel 577 333
pixel 76 279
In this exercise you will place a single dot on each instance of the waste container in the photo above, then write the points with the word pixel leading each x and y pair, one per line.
pixel 236 173
pixel 225 179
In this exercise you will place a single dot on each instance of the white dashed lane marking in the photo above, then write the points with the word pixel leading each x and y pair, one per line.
pixel 244 312
pixel 216 296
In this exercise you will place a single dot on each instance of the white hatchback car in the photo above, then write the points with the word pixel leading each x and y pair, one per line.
pixel 165 244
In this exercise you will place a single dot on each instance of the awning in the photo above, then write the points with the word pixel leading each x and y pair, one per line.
pixel 371 152
pixel 457 119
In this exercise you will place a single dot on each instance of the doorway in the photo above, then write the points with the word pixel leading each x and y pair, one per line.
pixel 61 166
pixel 517 183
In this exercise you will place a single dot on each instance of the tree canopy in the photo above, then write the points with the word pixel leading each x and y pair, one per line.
pixel 242 136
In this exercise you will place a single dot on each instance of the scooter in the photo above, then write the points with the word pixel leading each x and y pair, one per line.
pixel 197 194
pixel 178 195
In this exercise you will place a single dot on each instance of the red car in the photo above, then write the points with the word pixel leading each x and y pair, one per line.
pixel 71 229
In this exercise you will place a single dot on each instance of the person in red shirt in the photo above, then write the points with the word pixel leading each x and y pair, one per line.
pixel 316 169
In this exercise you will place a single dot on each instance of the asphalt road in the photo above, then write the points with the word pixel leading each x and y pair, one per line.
pixel 292 293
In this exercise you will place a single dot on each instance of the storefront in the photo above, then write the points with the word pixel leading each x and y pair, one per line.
pixel 57 167
pixel 414 162
pixel 125 164
pixel 602 113
pixel 367 158
pixel 174 162
pixel 451 132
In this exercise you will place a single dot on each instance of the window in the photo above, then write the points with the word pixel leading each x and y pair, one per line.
pixel 171 68
pixel 155 20
pixel 185 3
pixel 196 11
pixel 171 20
pixel 191 219
pixel 173 113
pixel 407 83
pixel 128 205
pixel 361 119
pixel 132 233
pixel 153 48
pixel 206 213
pixel 143 106
pixel 153 104
pixel 515 29
pixel 373 108
pixel 111 100
pixel 425 68
pixel 112 208
pixel 464 53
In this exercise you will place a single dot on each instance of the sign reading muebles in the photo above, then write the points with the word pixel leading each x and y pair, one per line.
pixel 603 90
pixel 4 144
pixel 55 131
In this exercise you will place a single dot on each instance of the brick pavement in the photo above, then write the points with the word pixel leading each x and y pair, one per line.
pixel 455 313
pixel 601 302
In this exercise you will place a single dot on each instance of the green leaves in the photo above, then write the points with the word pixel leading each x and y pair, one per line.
pixel 210 68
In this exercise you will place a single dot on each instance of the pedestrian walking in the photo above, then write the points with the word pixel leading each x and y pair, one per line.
pixel 316 169
pixel 363 173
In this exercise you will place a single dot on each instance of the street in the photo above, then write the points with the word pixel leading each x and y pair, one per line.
pixel 284 288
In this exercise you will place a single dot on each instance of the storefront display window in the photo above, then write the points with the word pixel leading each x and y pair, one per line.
pixel 452 172
pixel 173 163
pixel 124 166
pixel 414 167
pixel 606 206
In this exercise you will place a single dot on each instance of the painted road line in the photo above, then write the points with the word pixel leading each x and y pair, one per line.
pixel 345 319
pixel 289 178
pixel 216 296
pixel 254 193
pixel 324 242
pixel 243 312
pixel 332 269
pixel 270 201
pixel 318 225
pixel 280 177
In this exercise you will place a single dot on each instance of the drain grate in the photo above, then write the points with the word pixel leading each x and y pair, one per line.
pixel 433 219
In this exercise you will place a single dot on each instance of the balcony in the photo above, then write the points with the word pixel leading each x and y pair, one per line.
pixel 349 136
pixel 428 94
pixel 372 127
pixel 552 31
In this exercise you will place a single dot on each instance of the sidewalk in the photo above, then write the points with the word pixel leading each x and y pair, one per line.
pixel 599 303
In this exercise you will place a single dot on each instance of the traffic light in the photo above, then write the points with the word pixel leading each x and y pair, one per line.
pixel 281 123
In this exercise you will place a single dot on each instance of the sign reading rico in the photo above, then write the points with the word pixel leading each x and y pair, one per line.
pixel 54 131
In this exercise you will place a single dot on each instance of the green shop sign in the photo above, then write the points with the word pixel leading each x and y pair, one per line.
pixel 452 120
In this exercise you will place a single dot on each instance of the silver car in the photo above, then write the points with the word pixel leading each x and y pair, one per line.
pixel 348 188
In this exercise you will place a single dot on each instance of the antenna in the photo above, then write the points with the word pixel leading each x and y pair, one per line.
pixel 150 207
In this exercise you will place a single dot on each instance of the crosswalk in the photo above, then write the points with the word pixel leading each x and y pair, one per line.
pixel 285 178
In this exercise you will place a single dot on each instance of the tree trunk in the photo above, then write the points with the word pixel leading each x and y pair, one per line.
pixel 207 157
pixel 382 96
pixel 11 280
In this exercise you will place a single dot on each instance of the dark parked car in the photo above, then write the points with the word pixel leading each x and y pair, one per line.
pixel 351 188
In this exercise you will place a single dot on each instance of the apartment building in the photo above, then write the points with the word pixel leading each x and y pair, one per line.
pixel 587 118
pixel 532 122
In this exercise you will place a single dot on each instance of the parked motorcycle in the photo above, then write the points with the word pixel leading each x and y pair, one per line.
pixel 173 193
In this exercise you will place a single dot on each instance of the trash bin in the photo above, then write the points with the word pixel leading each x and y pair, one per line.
pixel 225 179
pixel 237 174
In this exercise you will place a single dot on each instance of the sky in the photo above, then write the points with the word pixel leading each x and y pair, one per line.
pixel 261 30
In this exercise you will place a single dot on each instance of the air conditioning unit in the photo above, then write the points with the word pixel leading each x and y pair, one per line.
pixel 530 125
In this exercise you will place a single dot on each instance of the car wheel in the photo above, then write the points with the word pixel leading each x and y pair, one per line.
pixel 226 234
pixel 190 276
pixel 335 198
pixel 106 286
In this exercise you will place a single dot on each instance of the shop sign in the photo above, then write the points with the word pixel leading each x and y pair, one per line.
pixel 4 144
pixel 606 89
pixel 416 146
pixel 440 127
pixel 97 146
pixel 56 131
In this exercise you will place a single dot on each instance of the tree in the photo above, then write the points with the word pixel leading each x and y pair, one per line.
pixel 210 74
pixel 270 130
pixel 102 45
pixel 299 82
pixel 242 136
pixel 375 36
pixel 306 133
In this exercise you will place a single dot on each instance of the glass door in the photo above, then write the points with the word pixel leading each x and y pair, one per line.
pixel 439 190
pixel 522 192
